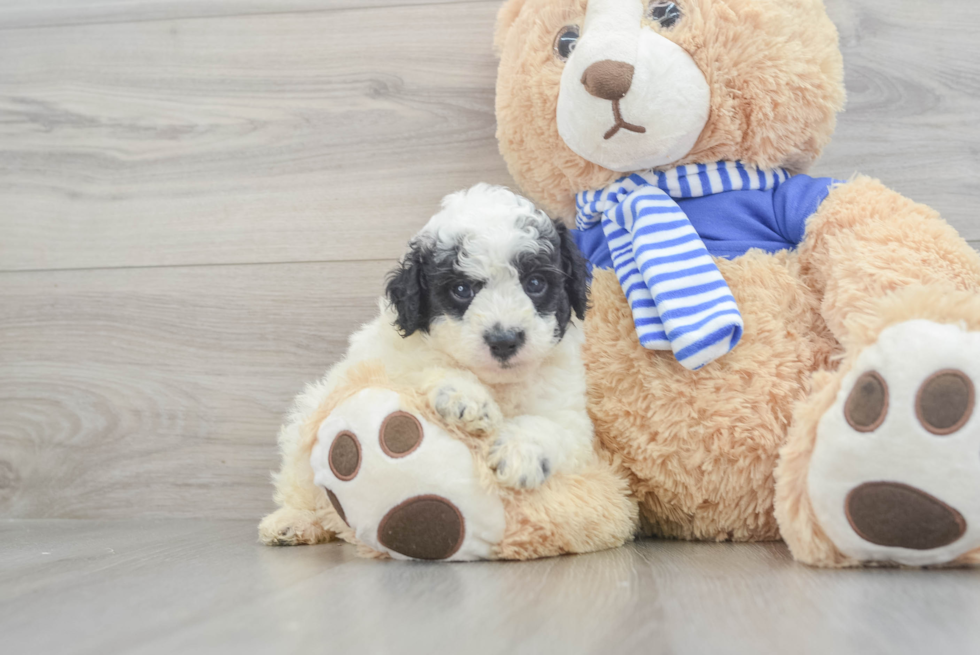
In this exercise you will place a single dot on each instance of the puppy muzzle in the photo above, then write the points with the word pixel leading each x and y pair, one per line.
pixel 504 344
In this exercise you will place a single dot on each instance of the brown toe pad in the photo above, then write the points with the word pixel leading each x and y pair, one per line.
pixel 336 505
pixel 401 434
pixel 867 405
pixel 897 515
pixel 345 456
pixel 945 402
pixel 424 527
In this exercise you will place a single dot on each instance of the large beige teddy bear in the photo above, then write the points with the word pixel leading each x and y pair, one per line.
pixel 810 376
pixel 768 355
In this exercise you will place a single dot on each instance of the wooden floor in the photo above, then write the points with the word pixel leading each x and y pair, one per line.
pixel 198 201
pixel 195 586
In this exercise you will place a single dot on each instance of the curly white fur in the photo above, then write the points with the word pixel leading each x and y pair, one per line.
pixel 532 404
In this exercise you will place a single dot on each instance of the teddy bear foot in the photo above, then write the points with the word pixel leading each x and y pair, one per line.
pixel 403 485
pixel 895 471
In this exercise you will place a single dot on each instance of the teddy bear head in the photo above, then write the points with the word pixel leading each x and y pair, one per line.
pixel 589 90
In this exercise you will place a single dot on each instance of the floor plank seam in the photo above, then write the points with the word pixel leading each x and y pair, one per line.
pixel 83 269
pixel 974 243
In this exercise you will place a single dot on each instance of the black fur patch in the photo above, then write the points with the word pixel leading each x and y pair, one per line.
pixel 567 275
pixel 576 271
pixel 420 289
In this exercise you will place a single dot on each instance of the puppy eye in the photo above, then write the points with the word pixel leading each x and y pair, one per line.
pixel 565 42
pixel 536 285
pixel 462 292
pixel 663 13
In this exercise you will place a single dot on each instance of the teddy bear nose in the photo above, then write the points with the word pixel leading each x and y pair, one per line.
pixel 608 79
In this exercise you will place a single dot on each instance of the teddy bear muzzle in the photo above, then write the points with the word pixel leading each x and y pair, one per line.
pixel 625 80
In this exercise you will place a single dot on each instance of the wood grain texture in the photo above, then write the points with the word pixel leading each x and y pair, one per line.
pixel 281 138
pixel 913 84
pixel 159 391
pixel 17 14
pixel 257 139
pixel 206 587
pixel 153 172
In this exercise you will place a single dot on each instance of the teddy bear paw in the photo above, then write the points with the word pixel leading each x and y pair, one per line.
pixel 895 472
pixel 404 485
pixel 466 404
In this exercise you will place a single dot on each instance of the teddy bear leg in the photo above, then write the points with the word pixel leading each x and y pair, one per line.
pixel 882 462
pixel 586 511
pixel 401 485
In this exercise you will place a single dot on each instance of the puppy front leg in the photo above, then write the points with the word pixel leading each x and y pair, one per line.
pixel 462 400
pixel 530 448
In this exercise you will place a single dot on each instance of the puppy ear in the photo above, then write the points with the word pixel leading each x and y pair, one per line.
pixel 576 271
pixel 406 290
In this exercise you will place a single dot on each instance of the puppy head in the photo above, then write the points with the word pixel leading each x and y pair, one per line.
pixel 491 281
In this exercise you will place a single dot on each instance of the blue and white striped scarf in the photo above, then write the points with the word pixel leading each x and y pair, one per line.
pixel 679 299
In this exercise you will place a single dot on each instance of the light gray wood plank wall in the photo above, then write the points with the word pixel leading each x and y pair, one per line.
pixel 158 391
pixel 288 137
pixel 913 82
pixel 198 202
pixel 47 13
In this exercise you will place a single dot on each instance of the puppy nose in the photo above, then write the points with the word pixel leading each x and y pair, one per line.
pixel 504 344
pixel 608 79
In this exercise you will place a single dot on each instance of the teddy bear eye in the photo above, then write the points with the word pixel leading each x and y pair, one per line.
pixel 565 42
pixel 664 13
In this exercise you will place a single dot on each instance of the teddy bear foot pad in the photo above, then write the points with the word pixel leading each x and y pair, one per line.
pixel 404 486
pixel 895 474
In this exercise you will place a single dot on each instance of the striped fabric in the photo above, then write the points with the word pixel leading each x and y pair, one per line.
pixel 678 297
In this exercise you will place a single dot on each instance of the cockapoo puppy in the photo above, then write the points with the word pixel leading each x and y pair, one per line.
pixel 484 315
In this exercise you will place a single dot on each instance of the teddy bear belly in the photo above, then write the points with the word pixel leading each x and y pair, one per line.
pixel 700 446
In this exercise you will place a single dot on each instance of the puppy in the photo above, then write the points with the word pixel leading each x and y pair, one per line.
pixel 484 315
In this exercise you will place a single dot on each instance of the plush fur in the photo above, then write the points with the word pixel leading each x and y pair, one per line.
pixel 701 446
pixel 489 269
pixel 723 453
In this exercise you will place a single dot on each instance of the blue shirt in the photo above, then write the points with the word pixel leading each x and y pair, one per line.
pixel 733 222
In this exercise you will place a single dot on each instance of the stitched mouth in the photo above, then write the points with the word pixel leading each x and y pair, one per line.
pixel 621 124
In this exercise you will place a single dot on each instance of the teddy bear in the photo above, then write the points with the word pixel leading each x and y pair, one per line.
pixel 769 355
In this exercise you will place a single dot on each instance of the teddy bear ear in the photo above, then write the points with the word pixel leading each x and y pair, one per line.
pixel 505 19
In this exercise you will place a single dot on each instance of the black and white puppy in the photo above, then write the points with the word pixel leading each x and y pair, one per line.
pixel 485 315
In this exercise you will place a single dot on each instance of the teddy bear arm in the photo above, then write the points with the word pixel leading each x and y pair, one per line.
pixel 866 241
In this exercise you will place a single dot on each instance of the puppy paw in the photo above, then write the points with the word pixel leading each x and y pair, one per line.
pixel 292 527
pixel 519 463
pixel 466 404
